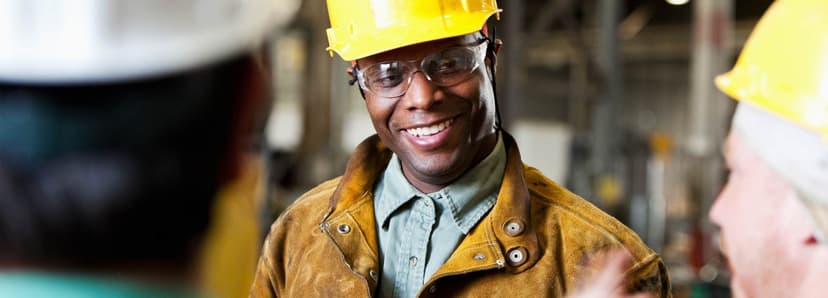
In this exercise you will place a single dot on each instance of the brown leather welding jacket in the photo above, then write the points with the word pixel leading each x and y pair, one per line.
pixel 536 241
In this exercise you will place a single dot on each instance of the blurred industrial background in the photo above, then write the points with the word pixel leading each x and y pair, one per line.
pixel 614 99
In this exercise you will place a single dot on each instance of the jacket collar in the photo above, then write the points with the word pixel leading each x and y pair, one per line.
pixel 366 165
pixel 505 238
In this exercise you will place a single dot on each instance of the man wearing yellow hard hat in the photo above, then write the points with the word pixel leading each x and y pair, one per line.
pixel 121 122
pixel 773 211
pixel 438 202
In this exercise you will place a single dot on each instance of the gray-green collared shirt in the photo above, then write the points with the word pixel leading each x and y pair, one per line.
pixel 418 232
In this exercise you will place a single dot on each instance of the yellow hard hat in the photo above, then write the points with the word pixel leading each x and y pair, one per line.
pixel 361 28
pixel 783 67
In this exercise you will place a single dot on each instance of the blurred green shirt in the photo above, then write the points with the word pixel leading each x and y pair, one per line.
pixel 31 284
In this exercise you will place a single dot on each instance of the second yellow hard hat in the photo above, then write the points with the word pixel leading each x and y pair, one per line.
pixel 783 67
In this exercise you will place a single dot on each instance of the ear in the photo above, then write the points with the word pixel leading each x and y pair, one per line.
pixel 351 70
pixel 811 240
pixel 491 55
pixel 352 73
pixel 803 228
pixel 816 216
pixel 497 44
pixel 813 236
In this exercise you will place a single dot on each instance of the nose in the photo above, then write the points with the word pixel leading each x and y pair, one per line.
pixel 422 94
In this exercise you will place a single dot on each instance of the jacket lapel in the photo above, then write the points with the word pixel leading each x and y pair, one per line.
pixel 505 238
pixel 349 221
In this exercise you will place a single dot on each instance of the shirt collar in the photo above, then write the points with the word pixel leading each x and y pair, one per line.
pixel 469 198
pixel 393 191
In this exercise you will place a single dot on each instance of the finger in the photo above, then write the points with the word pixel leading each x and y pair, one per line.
pixel 611 275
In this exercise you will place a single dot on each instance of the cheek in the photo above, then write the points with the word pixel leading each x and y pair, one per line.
pixel 380 112
pixel 479 98
pixel 754 227
pixel 472 91
pixel 740 203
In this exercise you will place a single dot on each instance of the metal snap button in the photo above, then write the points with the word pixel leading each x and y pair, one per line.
pixel 514 227
pixel 479 257
pixel 373 274
pixel 412 261
pixel 343 229
pixel 517 256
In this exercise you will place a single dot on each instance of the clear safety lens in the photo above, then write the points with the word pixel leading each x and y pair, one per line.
pixel 445 68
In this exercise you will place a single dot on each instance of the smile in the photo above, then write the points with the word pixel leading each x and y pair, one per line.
pixel 429 130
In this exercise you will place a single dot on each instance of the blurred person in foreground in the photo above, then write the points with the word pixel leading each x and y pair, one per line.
pixel 438 202
pixel 120 122
pixel 773 210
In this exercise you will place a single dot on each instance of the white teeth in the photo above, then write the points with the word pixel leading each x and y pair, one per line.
pixel 430 130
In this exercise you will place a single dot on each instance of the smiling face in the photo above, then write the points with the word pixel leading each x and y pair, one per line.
pixel 438 132
pixel 766 232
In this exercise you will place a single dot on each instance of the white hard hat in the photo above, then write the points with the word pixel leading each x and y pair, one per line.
pixel 81 41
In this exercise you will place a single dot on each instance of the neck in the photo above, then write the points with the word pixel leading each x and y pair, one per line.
pixel 430 185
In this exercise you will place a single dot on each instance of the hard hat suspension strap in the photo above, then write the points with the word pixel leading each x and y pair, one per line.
pixel 490 55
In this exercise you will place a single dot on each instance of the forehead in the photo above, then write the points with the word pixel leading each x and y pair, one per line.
pixel 735 149
pixel 738 153
pixel 419 50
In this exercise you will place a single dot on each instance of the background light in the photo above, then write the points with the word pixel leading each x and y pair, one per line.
pixel 677 2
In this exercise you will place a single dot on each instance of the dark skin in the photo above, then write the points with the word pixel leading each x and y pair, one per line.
pixel 469 106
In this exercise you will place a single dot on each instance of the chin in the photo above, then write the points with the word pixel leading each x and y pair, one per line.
pixel 437 169
pixel 441 167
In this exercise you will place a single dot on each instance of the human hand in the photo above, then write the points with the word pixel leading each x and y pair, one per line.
pixel 608 279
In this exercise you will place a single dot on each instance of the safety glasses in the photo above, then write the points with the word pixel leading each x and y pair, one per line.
pixel 445 68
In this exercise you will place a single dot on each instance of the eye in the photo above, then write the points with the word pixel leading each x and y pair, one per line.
pixel 386 75
pixel 448 65
pixel 450 62
pixel 388 80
